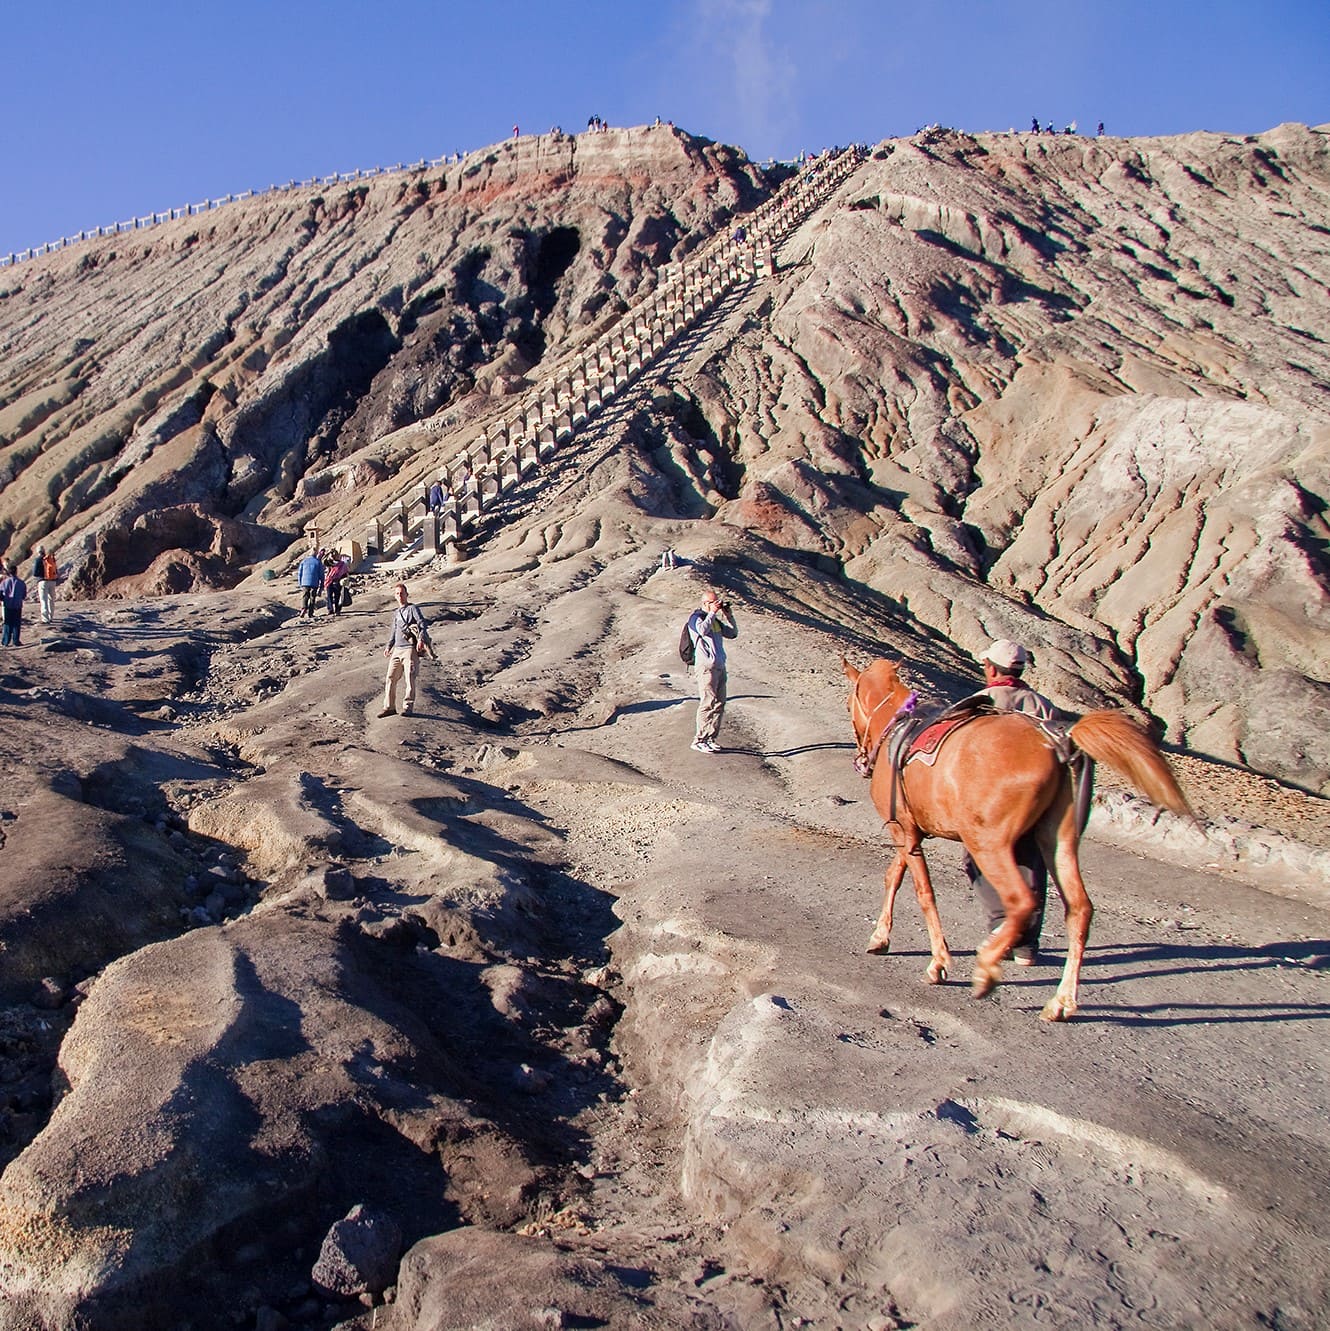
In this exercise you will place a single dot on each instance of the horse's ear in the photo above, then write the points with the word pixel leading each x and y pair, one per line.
pixel 850 672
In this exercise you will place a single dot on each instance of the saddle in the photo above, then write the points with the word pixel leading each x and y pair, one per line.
pixel 920 737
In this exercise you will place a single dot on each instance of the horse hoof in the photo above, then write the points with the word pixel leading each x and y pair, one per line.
pixel 878 947
pixel 1057 1009
pixel 983 984
pixel 936 975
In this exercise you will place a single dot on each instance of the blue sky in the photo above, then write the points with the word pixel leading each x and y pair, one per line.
pixel 115 108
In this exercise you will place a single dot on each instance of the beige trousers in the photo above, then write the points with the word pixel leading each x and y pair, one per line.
pixel 403 661
pixel 710 698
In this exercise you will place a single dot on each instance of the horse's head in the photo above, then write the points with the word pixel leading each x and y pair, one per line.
pixel 877 698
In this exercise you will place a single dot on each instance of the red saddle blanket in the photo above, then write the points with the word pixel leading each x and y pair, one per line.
pixel 929 740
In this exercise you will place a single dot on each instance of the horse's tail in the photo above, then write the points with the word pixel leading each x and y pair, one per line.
pixel 1116 740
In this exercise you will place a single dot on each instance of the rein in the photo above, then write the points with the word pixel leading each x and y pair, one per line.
pixel 866 758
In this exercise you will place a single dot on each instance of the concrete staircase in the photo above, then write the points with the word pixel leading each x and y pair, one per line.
pixel 516 445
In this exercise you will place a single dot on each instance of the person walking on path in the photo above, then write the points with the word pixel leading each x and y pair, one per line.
pixel 408 641
pixel 13 592
pixel 309 577
pixel 44 573
pixel 708 630
pixel 1004 662
pixel 338 568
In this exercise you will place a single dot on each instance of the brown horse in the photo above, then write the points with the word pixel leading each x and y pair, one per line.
pixel 995 779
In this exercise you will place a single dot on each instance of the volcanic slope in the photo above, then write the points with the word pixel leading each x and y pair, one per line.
pixel 374 960
pixel 585 1012
pixel 1039 386
pixel 1086 376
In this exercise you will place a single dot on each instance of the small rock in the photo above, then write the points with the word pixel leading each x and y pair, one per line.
pixel 335 883
pixel 529 1080
pixel 359 1254
pixel 50 994
pixel 491 755
pixel 235 894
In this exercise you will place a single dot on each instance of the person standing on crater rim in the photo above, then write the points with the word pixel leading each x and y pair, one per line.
pixel 708 630
pixel 408 641
pixel 1004 662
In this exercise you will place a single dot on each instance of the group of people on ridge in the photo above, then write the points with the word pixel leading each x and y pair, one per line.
pixel 323 571
pixel 14 592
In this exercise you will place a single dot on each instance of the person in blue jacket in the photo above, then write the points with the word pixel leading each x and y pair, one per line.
pixel 309 576
pixel 13 592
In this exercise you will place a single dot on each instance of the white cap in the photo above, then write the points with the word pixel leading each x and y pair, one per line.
pixel 1006 655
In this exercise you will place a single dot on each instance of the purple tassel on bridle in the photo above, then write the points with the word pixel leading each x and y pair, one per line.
pixel 863 762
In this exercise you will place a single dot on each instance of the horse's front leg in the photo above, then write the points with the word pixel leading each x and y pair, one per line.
pixel 937 942
pixel 880 942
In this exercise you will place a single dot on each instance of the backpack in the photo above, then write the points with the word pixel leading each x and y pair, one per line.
pixel 687 647
pixel 50 570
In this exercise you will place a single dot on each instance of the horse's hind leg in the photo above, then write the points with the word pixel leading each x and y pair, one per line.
pixel 999 866
pixel 1066 868
pixel 881 939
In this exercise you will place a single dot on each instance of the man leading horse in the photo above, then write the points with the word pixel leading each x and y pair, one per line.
pixel 1004 664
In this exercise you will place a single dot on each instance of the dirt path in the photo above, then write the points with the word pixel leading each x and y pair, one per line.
pixel 784 1131
pixel 867 1146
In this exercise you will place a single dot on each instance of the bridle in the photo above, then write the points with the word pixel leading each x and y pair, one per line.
pixel 867 749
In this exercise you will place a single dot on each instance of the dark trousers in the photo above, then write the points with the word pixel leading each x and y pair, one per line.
pixel 311 601
pixel 1034 871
